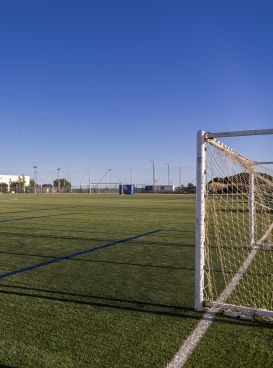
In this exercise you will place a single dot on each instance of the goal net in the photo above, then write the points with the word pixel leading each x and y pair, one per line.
pixel 234 242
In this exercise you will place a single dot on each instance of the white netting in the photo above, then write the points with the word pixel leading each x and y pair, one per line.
pixel 238 255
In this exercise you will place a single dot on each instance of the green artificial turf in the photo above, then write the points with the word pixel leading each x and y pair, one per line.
pixel 129 305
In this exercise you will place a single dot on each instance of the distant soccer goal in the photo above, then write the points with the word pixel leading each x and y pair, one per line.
pixel 234 227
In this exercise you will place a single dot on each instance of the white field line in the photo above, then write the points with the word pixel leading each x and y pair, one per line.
pixel 189 345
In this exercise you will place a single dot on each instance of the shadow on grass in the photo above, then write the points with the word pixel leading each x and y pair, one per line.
pixel 101 261
pixel 23 235
pixel 38 217
pixel 144 265
pixel 103 302
pixel 167 310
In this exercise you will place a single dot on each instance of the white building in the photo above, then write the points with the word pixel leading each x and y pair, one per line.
pixel 8 179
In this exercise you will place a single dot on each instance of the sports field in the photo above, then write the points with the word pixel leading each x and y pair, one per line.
pixel 125 302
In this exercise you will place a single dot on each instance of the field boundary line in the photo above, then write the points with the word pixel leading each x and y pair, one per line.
pixel 75 254
pixel 191 342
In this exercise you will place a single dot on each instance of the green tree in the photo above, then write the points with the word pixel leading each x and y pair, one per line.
pixel 65 185
pixel 32 183
pixel 3 187
pixel 21 182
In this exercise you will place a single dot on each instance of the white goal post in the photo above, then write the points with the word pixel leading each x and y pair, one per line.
pixel 234 228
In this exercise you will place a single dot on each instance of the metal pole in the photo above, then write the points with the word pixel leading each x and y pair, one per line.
pixel 110 177
pixel 200 220
pixel 58 170
pixel 168 171
pixel 70 179
pixel 180 179
pixel 90 181
pixel 240 133
pixel 154 179
pixel 251 203
pixel 35 178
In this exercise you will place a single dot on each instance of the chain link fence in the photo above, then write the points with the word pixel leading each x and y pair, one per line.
pixel 161 180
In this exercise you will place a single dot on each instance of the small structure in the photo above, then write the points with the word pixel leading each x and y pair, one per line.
pixel 126 189
pixel 160 188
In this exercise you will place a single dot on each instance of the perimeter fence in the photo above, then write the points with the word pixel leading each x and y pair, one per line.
pixel 160 179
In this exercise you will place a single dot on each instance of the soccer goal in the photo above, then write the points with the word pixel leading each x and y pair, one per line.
pixel 234 228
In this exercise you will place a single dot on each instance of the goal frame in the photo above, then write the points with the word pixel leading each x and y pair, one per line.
pixel 202 140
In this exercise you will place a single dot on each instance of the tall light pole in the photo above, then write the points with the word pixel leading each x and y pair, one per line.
pixel 35 172
pixel 58 170
pixel 154 179
pixel 110 177
pixel 168 171
pixel 180 179
pixel 90 189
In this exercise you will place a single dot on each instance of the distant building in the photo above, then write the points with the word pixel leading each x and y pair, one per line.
pixel 8 179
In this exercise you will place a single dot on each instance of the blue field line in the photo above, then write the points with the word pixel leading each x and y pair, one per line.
pixel 38 217
pixel 76 254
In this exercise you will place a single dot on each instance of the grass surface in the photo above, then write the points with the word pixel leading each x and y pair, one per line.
pixel 130 305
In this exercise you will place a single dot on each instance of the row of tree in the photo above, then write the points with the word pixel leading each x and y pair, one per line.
pixel 19 186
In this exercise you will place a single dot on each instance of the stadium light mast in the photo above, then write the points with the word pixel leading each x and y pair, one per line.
pixel 180 178
pixel 90 189
pixel 35 178
pixel 168 171
pixel 154 179
pixel 110 177
pixel 58 170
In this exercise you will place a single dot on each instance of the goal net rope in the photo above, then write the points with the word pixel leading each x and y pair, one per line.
pixel 238 251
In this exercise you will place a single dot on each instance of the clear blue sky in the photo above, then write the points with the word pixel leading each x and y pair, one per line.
pixel 112 83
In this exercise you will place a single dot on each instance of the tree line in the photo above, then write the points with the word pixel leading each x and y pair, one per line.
pixel 19 186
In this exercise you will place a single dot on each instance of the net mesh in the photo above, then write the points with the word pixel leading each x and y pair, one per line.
pixel 238 243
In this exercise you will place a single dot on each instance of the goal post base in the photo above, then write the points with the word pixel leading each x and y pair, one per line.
pixel 235 309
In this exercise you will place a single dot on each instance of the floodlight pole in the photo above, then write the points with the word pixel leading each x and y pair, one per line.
pixel 154 179
pixel 110 177
pixel 168 171
pixel 58 170
pixel 90 191
pixel 70 179
pixel 180 179
pixel 35 178
pixel 200 220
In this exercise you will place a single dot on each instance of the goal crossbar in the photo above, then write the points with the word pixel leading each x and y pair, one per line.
pixel 263 162
pixel 239 133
